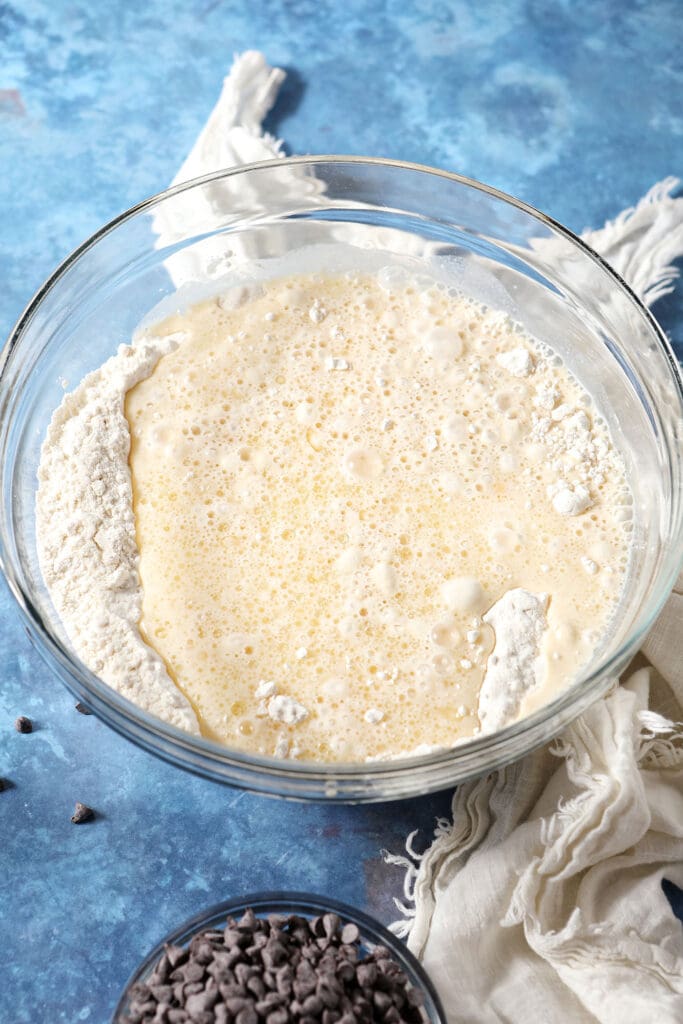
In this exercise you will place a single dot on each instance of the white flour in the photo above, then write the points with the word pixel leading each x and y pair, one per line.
pixel 514 666
pixel 86 533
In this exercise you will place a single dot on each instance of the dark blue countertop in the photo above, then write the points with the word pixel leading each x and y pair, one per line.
pixel 573 107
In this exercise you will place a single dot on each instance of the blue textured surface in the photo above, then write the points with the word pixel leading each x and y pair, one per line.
pixel 572 106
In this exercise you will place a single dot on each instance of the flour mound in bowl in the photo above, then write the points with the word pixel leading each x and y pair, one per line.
pixel 86 533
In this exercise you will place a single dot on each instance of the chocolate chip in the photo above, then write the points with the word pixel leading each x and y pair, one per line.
pixel 175 955
pixel 306 978
pixel 331 924
pixel 143 1008
pixel 198 945
pixel 242 973
pixel 177 1016
pixel 277 1017
pixel 221 959
pixel 234 991
pixel 415 996
pixel 271 1001
pixel 193 971
pixel 259 942
pixel 83 708
pixel 313 1006
pixel 382 1002
pixel 162 993
pixel 248 920
pixel 398 997
pixel 329 990
pixel 346 971
pixel 277 970
pixel 274 954
pixel 277 921
pixel 349 933
pixel 82 813
pixel 312 952
pixel 220 975
pixel 362 1007
pixel 5 784
pixel 201 1001
pixel 23 724
pixel 236 939
pixel 247 1016
pixel 139 993
pixel 256 985
pixel 366 974
pixel 236 1004
pixel 161 971
pixel 283 980
pixel 327 963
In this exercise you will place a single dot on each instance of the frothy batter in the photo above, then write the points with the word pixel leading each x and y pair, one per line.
pixel 337 481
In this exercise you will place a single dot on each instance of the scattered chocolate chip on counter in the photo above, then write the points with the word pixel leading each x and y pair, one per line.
pixel 23 724
pixel 277 970
pixel 82 813
pixel 5 784
pixel 83 708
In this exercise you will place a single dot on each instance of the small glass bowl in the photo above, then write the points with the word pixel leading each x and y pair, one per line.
pixel 372 934
pixel 195 240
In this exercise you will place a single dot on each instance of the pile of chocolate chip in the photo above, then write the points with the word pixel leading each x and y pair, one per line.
pixel 277 970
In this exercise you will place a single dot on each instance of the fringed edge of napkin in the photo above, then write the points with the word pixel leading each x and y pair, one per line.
pixel 478 820
pixel 641 243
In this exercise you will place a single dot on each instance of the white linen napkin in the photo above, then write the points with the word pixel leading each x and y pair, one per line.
pixel 541 900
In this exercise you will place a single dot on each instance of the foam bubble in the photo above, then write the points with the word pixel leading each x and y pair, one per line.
pixel 367 514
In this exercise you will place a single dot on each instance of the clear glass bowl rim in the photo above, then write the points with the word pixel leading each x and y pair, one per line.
pixel 310 780
pixel 306 904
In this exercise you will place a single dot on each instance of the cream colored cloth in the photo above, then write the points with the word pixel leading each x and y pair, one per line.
pixel 540 902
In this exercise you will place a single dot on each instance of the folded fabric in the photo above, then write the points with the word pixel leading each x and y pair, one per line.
pixel 541 900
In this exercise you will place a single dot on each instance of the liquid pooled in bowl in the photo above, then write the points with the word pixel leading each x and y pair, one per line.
pixel 372 518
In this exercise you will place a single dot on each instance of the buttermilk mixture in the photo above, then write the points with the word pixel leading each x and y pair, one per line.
pixel 357 519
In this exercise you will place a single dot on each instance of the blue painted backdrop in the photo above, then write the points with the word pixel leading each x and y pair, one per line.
pixel 573 106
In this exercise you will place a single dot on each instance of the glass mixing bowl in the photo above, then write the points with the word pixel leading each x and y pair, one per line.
pixel 330 213
pixel 372 934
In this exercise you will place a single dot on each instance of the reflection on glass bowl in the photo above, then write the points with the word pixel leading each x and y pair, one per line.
pixel 190 242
